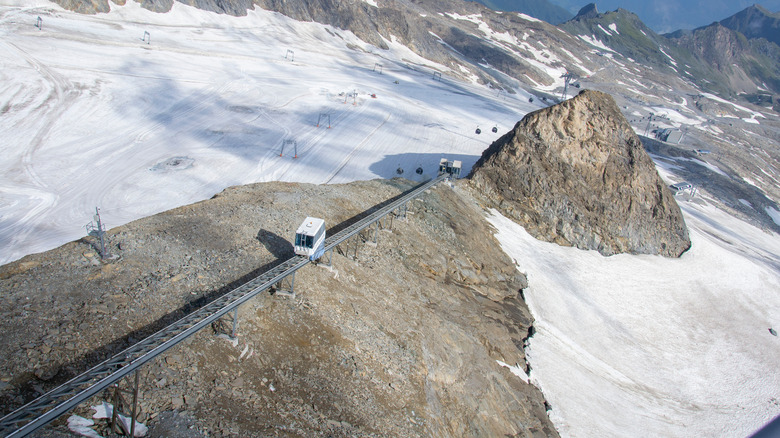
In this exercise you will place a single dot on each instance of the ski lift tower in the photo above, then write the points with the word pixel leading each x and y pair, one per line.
pixel 98 231
pixel 649 121
pixel 292 143
pixel 568 77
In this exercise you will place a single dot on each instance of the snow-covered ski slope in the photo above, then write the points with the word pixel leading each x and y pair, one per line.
pixel 95 112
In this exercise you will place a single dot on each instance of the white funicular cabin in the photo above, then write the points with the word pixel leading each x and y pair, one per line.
pixel 310 238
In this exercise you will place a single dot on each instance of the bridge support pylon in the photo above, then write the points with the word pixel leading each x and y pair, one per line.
pixel 120 403
pixel 286 290
pixel 330 258
pixel 357 240
pixel 234 332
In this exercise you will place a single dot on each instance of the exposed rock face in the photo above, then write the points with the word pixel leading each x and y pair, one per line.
pixel 576 174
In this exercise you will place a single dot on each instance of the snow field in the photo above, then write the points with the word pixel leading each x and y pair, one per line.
pixel 649 346
pixel 95 116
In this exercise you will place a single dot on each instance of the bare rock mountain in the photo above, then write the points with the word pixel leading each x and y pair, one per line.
pixel 576 174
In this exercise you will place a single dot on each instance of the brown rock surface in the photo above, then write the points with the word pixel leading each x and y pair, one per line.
pixel 576 174
pixel 401 342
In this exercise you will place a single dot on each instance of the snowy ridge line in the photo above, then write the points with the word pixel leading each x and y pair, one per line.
pixel 60 400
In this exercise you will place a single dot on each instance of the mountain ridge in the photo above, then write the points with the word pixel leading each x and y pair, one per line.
pixel 448 32
pixel 672 15
pixel 747 64
pixel 715 57
pixel 542 9
pixel 755 22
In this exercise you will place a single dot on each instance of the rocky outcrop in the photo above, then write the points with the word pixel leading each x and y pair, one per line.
pixel 576 174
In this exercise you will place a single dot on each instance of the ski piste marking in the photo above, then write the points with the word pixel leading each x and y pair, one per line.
pixel 349 156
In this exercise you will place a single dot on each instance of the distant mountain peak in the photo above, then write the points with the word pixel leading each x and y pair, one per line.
pixel 755 22
pixel 588 11
pixel 758 8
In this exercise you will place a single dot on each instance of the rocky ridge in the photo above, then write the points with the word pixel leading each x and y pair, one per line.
pixel 715 57
pixel 576 174
pixel 541 9
pixel 755 22
pixel 746 65
pixel 402 341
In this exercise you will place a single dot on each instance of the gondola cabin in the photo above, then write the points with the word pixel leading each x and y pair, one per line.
pixel 310 238
pixel 681 187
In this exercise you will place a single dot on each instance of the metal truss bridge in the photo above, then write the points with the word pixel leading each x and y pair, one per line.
pixel 49 406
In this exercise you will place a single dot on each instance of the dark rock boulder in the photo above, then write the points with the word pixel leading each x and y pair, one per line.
pixel 576 174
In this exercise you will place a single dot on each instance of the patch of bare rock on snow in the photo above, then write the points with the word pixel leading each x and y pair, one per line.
pixel 403 341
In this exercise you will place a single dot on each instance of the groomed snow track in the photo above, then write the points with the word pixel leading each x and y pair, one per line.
pixel 65 397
